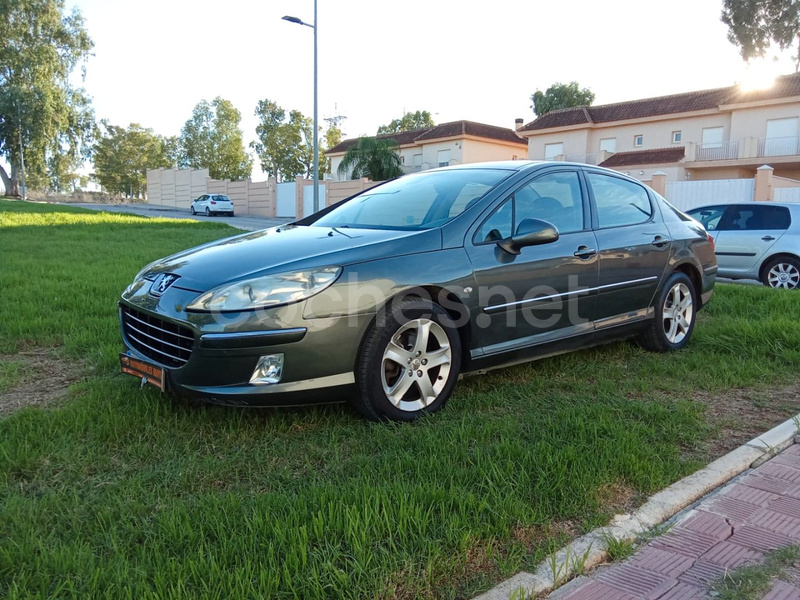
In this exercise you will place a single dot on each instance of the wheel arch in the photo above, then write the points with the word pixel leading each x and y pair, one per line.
pixel 772 257
pixel 693 273
pixel 451 303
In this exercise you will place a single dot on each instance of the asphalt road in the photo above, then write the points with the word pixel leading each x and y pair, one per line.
pixel 245 222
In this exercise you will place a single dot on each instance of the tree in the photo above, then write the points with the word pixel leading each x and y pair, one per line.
pixel 755 25
pixel 122 157
pixel 333 136
pixel 561 95
pixel 62 172
pixel 40 47
pixel 408 122
pixel 371 157
pixel 211 139
pixel 285 148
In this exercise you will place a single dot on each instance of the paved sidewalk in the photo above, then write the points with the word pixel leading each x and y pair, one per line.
pixel 756 513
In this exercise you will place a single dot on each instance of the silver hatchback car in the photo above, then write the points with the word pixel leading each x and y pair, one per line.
pixel 755 240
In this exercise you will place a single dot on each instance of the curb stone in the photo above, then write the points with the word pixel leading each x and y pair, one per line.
pixel 589 550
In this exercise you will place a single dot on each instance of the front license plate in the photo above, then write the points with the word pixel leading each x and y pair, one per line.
pixel 152 374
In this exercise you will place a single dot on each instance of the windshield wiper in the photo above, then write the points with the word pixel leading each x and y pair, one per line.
pixel 342 232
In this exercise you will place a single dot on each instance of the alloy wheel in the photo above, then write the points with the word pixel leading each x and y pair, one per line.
pixel 678 313
pixel 416 364
pixel 783 275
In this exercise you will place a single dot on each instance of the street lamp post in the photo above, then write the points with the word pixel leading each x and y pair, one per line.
pixel 316 126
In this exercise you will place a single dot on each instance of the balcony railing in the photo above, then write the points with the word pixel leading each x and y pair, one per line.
pixel 589 159
pixel 782 146
pixel 718 151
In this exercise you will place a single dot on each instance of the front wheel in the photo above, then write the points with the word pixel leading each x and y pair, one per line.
pixel 193 211
pixel 409 362
pixel 676 312
pixel 783 273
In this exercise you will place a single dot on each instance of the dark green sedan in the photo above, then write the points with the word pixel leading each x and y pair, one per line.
pixel 387 297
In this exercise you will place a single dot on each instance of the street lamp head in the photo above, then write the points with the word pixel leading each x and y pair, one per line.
pixel 292 20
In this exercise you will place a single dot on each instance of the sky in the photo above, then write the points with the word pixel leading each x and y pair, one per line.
pixel 481 61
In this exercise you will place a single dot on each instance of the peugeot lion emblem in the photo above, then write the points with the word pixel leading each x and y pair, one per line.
pixel 162 283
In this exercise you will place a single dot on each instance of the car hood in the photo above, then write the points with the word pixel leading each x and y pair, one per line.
pixel 287 248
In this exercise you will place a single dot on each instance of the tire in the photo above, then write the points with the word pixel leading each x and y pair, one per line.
pixel 782 273
pixel 671 329
pixel 192 210
pixel 208 212
pixel 230 215
pixel 387 388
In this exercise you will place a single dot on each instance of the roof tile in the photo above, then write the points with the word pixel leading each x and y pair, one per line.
pixel 645 157
pixel 784 87
pixel 444 130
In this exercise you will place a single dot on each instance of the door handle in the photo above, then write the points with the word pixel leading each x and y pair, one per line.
pixel 768 238
pixel 585 252
pixel 660 241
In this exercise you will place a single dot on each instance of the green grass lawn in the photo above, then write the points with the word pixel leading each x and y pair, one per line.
pixel 121 493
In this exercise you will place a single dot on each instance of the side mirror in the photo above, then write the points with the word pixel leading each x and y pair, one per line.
pixel 531 232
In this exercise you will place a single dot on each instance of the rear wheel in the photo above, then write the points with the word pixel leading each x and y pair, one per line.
pixel 676 312
pixel 783 273
pixel 409 362
pixel 208 212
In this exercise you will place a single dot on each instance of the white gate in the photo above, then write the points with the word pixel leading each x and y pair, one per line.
pixel 308 198
pixel 787 194
pixel 286 203
pixel 687 195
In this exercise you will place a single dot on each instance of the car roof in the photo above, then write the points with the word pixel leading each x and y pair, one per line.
pixel 524 165
pixel 789 205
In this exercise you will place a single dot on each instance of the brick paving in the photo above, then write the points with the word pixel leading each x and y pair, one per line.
pixel 733 528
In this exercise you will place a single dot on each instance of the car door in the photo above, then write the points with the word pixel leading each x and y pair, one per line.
pixel 633 245
pixel 539 294
pixel 200 203
pixel 745 234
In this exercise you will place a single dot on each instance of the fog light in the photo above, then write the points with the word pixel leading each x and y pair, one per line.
pixel 268 370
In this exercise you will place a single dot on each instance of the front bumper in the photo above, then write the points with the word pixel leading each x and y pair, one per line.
pixel 319 355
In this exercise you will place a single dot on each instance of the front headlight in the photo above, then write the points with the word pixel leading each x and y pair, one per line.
pixel 267 291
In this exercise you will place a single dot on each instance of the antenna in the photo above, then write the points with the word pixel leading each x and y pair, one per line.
pixel 336 119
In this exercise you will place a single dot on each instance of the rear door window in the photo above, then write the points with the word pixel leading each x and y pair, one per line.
pixel 748 217
pixel 619 202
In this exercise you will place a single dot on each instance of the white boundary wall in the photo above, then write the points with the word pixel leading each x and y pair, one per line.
pixel 687 195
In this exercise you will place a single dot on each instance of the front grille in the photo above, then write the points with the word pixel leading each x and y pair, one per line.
pixel 162 341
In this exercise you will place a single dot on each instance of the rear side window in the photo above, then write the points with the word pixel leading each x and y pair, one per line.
pixel 755 218
pixel 619 202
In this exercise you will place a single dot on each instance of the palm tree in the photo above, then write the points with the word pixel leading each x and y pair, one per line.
pixel 372 157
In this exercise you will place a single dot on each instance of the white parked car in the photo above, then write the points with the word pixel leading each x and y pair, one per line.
pixel 212 204
pixel 755 240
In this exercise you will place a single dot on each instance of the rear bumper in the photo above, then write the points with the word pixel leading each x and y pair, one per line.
pixel 709 281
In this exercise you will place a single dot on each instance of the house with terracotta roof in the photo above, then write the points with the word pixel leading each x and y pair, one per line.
pixel 454 143
pixel 724 133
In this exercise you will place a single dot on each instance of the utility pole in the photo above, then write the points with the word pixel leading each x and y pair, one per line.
pixel 313 26
pixel 21 155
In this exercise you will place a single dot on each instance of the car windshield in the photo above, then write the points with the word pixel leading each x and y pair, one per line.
pixel 419 201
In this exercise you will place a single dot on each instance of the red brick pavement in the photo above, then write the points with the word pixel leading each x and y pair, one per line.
pixel 736 527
